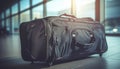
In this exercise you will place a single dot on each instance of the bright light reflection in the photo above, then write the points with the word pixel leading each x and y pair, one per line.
pixel 85 8
pixel 58 5
pixel 115 30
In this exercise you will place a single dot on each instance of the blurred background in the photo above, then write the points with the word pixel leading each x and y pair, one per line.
pixel 14 12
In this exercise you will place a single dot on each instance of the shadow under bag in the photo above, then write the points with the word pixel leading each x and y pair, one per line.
pixel 60 38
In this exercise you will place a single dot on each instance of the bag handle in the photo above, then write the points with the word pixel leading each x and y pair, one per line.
pixel 67 15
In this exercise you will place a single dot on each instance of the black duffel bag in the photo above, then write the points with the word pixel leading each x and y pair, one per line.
pixel 61 38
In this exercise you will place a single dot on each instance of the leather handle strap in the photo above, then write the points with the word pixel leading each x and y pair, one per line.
pixel 67 15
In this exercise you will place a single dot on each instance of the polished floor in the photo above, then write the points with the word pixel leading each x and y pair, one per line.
pixel 10 57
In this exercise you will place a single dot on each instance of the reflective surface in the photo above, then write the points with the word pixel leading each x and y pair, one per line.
pixel 10 57
pixel 8 24
pixel 7 12
pixel 58 7
pixel 112 16
pixel 85 8
pixel 25 16
pixel 24 4
pixel 14 8
pixel 37 12
pixel 15 24
pixel 34 2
